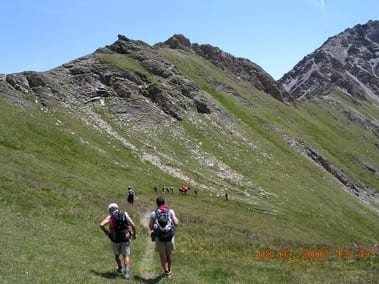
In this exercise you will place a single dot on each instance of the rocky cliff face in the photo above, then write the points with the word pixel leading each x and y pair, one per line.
pixel 348 62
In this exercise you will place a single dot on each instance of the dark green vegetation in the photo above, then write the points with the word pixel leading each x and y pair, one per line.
pixel 58 174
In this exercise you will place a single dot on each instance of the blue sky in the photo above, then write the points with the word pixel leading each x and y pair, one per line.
pixel 39 35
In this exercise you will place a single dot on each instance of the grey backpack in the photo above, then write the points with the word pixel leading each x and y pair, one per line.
pixel 164 227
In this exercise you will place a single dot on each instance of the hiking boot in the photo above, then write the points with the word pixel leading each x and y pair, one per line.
pixel 119 269
pixel 127 275
pixel 168 274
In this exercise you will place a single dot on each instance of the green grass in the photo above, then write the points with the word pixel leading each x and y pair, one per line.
pixel 57 176
pixel 319 123
pixel 122 62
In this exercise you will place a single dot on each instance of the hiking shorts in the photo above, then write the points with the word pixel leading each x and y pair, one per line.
pixel 121 248
pixel 165 246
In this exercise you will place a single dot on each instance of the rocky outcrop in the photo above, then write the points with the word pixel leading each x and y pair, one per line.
pixel 177 41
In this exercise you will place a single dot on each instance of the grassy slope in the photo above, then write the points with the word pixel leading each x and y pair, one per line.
pixel 57 176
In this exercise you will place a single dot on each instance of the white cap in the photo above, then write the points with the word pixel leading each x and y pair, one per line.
pixel 112 206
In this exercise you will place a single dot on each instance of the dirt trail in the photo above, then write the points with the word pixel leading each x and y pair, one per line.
pixel 147 258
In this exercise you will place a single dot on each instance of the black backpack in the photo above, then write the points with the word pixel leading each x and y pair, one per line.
pixel 164 227
pixel 120 227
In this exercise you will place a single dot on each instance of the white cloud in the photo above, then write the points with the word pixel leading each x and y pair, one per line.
pixel 319 3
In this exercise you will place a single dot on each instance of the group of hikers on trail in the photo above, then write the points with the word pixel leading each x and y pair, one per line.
pixel 167 189
pixel 162 224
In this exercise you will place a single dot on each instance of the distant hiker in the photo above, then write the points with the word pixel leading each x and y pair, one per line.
pixel 162 223
pixel 226 196
pixel 195 192
pixel 130 196
pixel 156 189
pixel 118 223
pixel 184 189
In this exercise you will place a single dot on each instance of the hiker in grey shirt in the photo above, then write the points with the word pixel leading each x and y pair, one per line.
pixel 164 236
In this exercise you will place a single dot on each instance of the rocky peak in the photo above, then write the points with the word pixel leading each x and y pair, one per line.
pixel 178 41
pixel 348 61
pixel 240 67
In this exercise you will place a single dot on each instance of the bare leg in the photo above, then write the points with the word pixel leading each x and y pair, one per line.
pixel 127 262
pixel 169 259
pixel 164 261
pixel 118 261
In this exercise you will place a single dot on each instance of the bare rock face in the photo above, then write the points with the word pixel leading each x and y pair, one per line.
pixel 348 61
pixel 19 83
pixel 178 41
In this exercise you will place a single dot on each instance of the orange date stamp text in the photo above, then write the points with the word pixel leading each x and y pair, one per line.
pixel 343 253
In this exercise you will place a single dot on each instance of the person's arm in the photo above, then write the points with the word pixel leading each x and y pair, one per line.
pixel 151 222
pixel 133 225
pixel 103 224
pixel 174 218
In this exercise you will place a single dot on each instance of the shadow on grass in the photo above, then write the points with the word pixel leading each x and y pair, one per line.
pixel 114 275
pixel 150 280
pixel 107 274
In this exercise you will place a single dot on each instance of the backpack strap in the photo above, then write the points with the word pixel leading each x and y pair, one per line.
pixel 157 212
